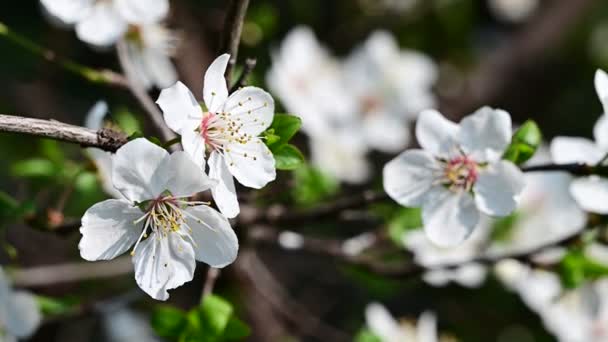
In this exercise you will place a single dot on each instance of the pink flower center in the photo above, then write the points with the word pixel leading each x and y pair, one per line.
pixel 461 172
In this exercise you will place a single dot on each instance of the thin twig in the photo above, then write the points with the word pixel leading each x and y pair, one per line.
pixel 247 70
pixel 212 275
pixel 142 95
pixel 105 139
pixel 231 36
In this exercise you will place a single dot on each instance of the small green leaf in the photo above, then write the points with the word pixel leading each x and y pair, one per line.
pixel 503 227
pixel 127 121
pixel 168 322
pixel 34 168
pixel 236 330
pixel 55 306
pixel 135 135
pixel 313 186
pixel 405 219
pixel 288 157
pixel 214 313
pixel 365 335
pixel 270 137
pixel 524 143
pixel 284 126
pixel 576 268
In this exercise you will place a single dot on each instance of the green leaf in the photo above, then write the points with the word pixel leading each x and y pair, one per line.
pixel 55 306
pixel 503 227
pixel 288 157
pixel 214 313
pixel 404 220
pixel 51 150
pixel 168 322
pixel 86 182
pixel 284 126
pixel 576 268
pixel 313 186
pixel 524 143
pixel 365 335
pixel 127 121
pixel 236 330
pixel 34 168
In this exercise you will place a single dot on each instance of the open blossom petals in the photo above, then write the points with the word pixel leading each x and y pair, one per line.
pixel 180 176
pixel 601 88
pixel 163 263
pixel 408 178
pixel 498 187
pixel 102 27
pixel 158 67
pixel 68 11
pixel 381 322
pixel 223 192
pixel 215 242
pixel 252 107
pixel 23 315
pixel 485 134
pixel 180 108
pixel 194 145
pixel 427 328
pixel 108 230
pixel 385 133
pixel 575 150
pixel 341 156
pixel 252 164
pixel 449 218
pixel 600 132
pixel 142 11
pixel 215 91
pixel 133 168
pixel 435 133
pixel 591 193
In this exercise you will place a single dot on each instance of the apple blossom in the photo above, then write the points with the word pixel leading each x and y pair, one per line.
pixel 19 313
pixel 590 192
pixel 390 86
pixel 229 131
pixel 457 174
pixel 382 324
pixel 168 232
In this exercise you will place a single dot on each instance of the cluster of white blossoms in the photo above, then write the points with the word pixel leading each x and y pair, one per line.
pixel 350 107
pixel 19 313
pixel 102 23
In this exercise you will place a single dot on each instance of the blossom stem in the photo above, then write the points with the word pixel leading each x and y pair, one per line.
pixel 233 26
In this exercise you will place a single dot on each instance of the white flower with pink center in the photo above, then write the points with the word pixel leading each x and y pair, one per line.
pixel 458 173
pixel 228 133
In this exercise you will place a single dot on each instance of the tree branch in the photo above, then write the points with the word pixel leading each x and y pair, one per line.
pixel 231 36
pixel 105 139
pixel 242 81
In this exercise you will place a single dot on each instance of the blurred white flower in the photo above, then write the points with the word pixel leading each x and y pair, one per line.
pixel 433 257
pixel 382 324
pixel 390 87
pixel 126 325
pixel 457 174
pixel 590 192
pixel 169 232
pixel 19 312
pixel 230 131
pixel 515 11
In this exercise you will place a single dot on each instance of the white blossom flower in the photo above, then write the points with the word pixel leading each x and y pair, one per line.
pixel 390 86
pixel 229 131
pixel 457 174
pixel 469 273
pixel 515 11
pixel 126 325
pixel 168 232
pixel 590 192
pixel 19 313
pixel 382 324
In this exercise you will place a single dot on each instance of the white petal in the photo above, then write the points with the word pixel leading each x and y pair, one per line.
pixel 68 11
pixel 216 243
pixel 223 192
pixel 163 263
pixel 95 116
pixel 102 27
pixel 179 175
pixel 194 145
pixel 133 166
pixel 142 11
pixel 180 108
pixel 591 193
pixel 486 133
pixel 252 164
pixel 159 67
pixel 601 88
pixel 575 150
pixel 135 55
pixel 23 314
pixel 386 132
pixel 381 322
pixel 449 218
pixel 435 133
pixel 438 277
pixel 108 230
pixel 600 132
pixel 215 90
pixel 340 155
pixel 252 107
pixel 471 275
pixel 427 327
pixel 409 176
pixel 498 187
